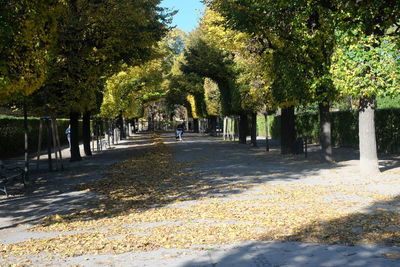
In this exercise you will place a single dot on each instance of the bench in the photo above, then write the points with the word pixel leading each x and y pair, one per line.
pixel 10 176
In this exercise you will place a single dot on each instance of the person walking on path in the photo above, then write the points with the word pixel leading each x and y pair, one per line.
pixel 68 133
pixel 179 132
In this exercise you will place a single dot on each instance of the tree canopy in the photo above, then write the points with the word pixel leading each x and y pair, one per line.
pixel 26 39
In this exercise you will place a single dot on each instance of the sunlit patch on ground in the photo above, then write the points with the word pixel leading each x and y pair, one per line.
pixel 151 202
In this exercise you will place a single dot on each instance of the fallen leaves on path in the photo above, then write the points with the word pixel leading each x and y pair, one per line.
pixel 151 202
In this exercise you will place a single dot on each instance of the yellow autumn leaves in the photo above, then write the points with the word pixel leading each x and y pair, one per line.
pixel 151 202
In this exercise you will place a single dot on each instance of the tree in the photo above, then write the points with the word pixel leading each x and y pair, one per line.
pixel 299 40
pixel 212 97
pixel 28 31
pixel 185 91
pixel 249 54
pixel 371 30
pixel 207 61
pixel 94 39
pixel 311 25
pixel 366 68
pixel 130 91
pixel 26 40
pixel 204 59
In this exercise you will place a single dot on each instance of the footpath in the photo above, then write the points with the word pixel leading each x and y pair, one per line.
pixel 239 206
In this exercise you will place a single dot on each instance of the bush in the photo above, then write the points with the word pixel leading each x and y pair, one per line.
pixel 274 126
pixel 308 125
pixel 345 128
pixel 387 123
pixel 12 135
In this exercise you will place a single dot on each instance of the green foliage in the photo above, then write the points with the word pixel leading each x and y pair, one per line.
pixel 308 108
pixel 388 102
pixel 212 97
pixel 129 90
pixel 307 124
pixel 182 87
pixel 206 61
pixel 296 40
pixel 252 91
pixel 12 135
pixel 364 18
pixel 275 130
pixel 27 34
pixel 367 66
pixel 345 128
pixel 387 125
pixel 261 126
pixel 94 39
pixel 132 89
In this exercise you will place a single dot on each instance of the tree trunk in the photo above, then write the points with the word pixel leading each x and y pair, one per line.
pixel 325 131
pixel 120 125
pixel 213 125
pixel 86 133
pixel 26 139
pixel 225 128
pixel 266 132
pixel 195 125
pixel 134 126
pixel 187 124
pixel 254 129
pixel 74 120
pixel 288 132
pixel 243 128
pixel 49 144
pixel 368 151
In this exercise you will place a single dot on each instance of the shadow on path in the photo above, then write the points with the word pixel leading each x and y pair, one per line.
pixel 220 169
pixel 55 192
pixel 348 241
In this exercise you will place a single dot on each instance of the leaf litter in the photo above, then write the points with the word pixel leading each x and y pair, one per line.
pixel 141 210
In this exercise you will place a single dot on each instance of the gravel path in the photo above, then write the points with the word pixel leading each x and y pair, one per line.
pixel 217 163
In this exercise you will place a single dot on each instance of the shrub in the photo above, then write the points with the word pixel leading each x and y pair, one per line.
pixel 12 135
pixel 345 128
pixel 387 123
pixel 272 122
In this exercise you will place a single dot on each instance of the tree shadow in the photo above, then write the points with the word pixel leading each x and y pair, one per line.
pixel 152 179
pixel 271 254
pixel 29 210
pixel 377 224
pixel 388 163
pixel 201 168
pixel 54 192
pixel 367 238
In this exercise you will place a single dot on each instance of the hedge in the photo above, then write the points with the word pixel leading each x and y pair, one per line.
pixel 344 131
pixel 344 128
pixel 273 126
pixel 12 135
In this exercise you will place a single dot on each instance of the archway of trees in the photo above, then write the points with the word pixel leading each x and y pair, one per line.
pixel 107 59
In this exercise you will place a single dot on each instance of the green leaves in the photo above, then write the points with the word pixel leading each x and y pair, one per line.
pixel 367 66
pixel 26 38
pixel 292 58
pixel 94 40
pixel 131 90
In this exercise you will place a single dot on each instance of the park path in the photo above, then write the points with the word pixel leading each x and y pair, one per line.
pixel 247 172
pixel 54 192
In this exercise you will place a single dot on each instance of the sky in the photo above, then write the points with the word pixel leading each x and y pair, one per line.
pixel 188 12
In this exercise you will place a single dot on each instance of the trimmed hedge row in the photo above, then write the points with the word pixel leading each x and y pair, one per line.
pixel 12 135
pixel 273 126
pixel 344 128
